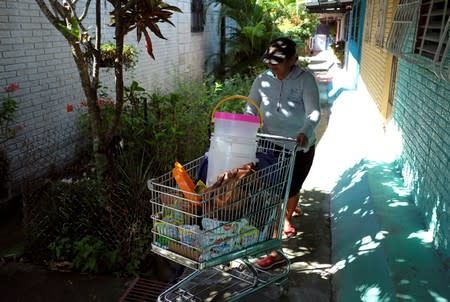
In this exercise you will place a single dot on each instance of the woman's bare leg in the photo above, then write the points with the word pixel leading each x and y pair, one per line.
pixel 291 205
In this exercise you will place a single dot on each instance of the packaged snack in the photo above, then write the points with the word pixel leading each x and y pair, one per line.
pixel 168 226
pixel 183 250
pixel 185 183
pixel 249 235
pixel 220 245
pixel 190 234
pixel 221 227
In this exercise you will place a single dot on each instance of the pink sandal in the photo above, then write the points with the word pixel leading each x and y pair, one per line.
pixel 290 232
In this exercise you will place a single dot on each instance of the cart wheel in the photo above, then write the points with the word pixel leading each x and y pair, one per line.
pixel 284 290
pixel 226 267
pixel 242 267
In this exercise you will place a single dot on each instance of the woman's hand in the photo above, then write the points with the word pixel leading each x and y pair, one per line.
pixel 302 140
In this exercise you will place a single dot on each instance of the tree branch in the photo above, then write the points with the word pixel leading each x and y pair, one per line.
pixel 74 14
pixel 58 8
pixel 50 16
pixel 98 38
pixel 85 11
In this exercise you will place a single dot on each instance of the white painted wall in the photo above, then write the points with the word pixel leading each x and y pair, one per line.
pixel 35 55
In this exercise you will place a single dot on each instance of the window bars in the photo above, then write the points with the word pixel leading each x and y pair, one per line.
pixel 420 34
pixel 432 21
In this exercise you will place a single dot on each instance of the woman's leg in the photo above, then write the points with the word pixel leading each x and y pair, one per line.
pixel 291 205
pixel 303 163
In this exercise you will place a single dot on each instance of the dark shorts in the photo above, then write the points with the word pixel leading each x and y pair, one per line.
pixel 303 163
pixel 302 166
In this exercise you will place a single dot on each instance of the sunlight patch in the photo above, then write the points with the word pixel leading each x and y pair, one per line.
pixel 381 235
pixel 351 258
pixel 372 293
pixel 265 84
pixel 425 237
pixel 343 209
pixel 398 203
pixel 357 211
pixel 437 297
pixel 367 244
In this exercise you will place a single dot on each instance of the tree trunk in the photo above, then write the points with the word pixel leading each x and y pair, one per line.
pixel 99 141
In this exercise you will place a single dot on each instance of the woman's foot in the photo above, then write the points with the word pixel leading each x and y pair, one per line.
pixel 269 261
pixel 289 230
pixel 297 212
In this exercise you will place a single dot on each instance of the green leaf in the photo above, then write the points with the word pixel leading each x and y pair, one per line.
pixel 75 28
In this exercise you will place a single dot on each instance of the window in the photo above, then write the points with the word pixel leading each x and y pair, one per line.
pixel 430 39
pixel 381 23
pixel 197 23
pixel 420 34
pixel 404 19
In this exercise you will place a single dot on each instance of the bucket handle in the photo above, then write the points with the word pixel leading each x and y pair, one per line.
pixel 251 101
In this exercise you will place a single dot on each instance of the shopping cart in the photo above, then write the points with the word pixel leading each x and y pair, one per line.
pixel 217 234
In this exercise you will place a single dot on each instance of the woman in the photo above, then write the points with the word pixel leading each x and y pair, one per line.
pixel 288 98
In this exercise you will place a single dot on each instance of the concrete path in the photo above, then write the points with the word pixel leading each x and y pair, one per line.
pixel 380 249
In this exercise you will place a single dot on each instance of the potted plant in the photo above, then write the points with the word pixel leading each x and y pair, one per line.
pixel 108 55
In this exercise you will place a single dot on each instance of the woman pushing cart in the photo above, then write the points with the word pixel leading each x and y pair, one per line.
pixel 220 232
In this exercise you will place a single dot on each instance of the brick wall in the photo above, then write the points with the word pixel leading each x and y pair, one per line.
pixel 36 56
pixel 422 113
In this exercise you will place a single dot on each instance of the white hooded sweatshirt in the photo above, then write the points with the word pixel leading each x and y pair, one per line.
pixel 289 106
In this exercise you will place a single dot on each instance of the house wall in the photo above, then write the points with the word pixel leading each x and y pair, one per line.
pixel 422 116
pixel 35 55
pixel 376 62
pixel 356 27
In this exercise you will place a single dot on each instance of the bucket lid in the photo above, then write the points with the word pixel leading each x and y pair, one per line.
pixel 237 117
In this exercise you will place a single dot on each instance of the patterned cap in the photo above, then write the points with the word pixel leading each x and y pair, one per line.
pixel 279 50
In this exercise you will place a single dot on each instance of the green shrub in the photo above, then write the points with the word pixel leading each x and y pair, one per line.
pixel 91 225
pixel 88 254
pixel 106 227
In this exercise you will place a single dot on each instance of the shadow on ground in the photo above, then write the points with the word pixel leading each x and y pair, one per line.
pixel 380 247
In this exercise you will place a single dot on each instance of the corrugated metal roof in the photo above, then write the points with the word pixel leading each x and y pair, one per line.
pixel 327 6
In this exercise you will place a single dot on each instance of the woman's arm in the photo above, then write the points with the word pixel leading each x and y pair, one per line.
pixel 312 107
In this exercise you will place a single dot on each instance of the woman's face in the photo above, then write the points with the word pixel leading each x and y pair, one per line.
pixel 282 69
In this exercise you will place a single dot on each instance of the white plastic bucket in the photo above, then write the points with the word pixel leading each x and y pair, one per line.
pixel 233 142
pixel 238 125
pixel 228 152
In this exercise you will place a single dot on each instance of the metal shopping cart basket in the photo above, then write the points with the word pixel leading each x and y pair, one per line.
pixel 218 240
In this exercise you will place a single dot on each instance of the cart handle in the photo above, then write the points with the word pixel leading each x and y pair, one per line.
pixel 233 97
pixel 276 137
pixel 280 138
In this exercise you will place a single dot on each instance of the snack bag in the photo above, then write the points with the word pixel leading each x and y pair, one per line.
pixel 185 183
